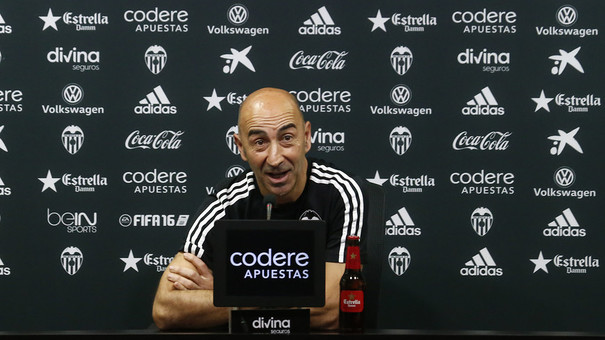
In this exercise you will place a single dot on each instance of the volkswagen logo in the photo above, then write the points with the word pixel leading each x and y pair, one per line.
pixel 567 15
pixel 237 14
pixel 234 171
pixel 401 94
pixel 564 177
pixel 72 94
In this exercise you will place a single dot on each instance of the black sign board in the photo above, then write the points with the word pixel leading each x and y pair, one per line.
pixel 270 263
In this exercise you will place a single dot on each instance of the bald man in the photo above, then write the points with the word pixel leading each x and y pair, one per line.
pixel 273 138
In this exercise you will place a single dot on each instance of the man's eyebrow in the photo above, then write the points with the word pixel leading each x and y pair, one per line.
pixel 256 132
pixel 286 127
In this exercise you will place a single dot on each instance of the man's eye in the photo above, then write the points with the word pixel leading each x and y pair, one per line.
pixel 259 142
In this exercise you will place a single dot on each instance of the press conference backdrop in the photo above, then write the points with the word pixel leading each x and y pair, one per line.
pixel 482 121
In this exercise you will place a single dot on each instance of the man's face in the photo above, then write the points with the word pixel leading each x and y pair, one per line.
pixel 274 139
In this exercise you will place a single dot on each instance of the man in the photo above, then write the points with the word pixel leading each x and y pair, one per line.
pixel 274 139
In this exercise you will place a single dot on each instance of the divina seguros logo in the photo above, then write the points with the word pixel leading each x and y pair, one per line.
pixel 79 60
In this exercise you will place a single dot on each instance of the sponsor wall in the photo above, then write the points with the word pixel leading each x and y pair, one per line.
pixel 480 119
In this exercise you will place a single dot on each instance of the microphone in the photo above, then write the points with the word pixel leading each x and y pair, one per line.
pixel 269 201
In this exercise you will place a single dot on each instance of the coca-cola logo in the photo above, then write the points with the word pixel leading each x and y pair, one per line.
pixel 165 140
pixel 329 60
pixel 494 140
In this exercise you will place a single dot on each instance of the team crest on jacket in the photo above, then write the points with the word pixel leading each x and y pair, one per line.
pixel 72 138
pixel 310 215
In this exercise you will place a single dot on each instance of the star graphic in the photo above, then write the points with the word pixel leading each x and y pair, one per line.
pixel 353 256
pixel 49 182
pixel 377 179
pixel 50 20
pixel 540 263
pixel 542 102
pixel 131 261
pixel 378 21
pixel 214 101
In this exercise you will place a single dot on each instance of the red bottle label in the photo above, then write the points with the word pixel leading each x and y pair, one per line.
pixel 353 260
pixel 351 301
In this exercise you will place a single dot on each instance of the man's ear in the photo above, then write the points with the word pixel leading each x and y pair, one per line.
pixel 240 146
pixel 307 136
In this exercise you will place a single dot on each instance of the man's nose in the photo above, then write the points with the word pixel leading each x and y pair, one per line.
pixel 275 156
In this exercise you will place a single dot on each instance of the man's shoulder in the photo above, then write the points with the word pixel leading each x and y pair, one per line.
pixel 321 166
pixel 324 172
pixel 242 180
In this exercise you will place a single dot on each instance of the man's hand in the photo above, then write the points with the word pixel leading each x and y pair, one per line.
pixel 189 279
pixel 184 299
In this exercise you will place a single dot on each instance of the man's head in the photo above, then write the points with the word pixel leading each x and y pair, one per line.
pixel 274 138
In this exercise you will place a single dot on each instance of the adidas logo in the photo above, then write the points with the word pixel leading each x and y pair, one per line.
pixel 4 190
pixel 320 23
pixel 483 104
pixel 564 225
pixel 156 102
pixel 401 224
pixel 4 270
pixel 4 28
pixel 481 264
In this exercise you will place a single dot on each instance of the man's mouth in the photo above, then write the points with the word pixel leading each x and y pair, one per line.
pixel 277 176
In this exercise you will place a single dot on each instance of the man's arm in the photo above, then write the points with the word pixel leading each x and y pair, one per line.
pixel 184 299
pixel 326 317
